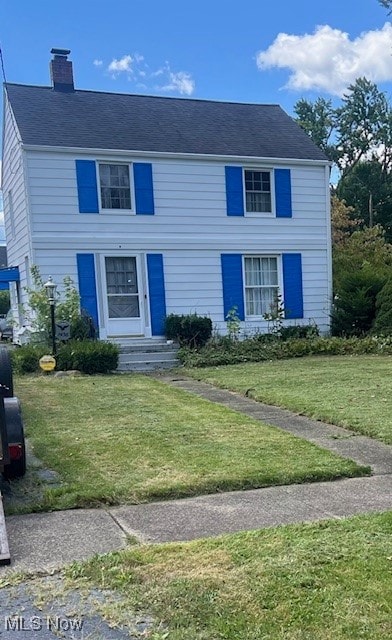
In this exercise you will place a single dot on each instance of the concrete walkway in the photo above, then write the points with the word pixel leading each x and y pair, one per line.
pixel 46 542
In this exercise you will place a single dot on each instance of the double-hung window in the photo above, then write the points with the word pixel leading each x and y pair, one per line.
pixel 261 285
pixel 258 191
pixel 115 186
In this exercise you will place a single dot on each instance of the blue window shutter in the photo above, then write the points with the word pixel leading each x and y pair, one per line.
pixel 234 191
pixel 233 289
pixel 144 191
pixel 156 286
pixel 283 193
pixel 86 178
pixel 87 285
pixel 292 285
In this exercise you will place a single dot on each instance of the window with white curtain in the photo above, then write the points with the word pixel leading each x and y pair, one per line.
pixel 261 285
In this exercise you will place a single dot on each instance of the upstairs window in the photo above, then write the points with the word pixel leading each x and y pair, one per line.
pixel 261 285
pixel 115 186
pixel 258 191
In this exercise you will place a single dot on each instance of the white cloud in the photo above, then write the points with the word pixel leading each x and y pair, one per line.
pixel 328 60
pixel 98 63
pixel 181 82
pixel 158 72
pixel 134 67
pixel 118 66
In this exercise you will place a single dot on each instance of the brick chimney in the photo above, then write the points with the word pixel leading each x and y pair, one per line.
pixel 61 71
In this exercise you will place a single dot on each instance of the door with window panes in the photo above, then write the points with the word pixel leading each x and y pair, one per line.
pixel 123 298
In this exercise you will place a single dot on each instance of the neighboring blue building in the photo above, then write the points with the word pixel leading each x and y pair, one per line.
pixel 6 275
pixel 164 205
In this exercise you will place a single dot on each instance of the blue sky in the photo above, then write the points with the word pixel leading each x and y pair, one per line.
pixel 254 51
pixel 214 45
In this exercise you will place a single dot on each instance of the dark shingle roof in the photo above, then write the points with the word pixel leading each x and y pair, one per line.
pixel 94 120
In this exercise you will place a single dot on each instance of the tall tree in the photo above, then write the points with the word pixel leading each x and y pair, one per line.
pixel 318 120
pixel 363 125
pixel 367 190
pixel 343 223
pixel 365 249
pixel 360 128
pixel 357 137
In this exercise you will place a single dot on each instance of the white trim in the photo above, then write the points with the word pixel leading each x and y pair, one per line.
pixel 132 196
pixel 260 214
pixel 181 156
pixel 328 223
pixel 140 284
pixel 279 267
pixel 29 225
pixel 156 242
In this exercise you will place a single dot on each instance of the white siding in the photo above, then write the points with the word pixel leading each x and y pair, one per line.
pixel 15 204
pixel 190 227
pixel 190 208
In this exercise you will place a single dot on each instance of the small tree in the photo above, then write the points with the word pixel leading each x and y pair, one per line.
pixel 37 313
pixel 233 324
pixel 275 316
pixel 354 308
pixel 383 322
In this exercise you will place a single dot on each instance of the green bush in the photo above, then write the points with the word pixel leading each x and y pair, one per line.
pixel 383 322
pixel 354 308
pixel 188 330
pixel 253 350
pixel 82 328
pixel 88 356
pixel 26 359
pixel 299 331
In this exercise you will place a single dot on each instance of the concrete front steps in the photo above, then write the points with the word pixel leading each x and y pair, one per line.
pixel 146 354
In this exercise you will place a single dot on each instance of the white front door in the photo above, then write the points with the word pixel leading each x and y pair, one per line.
pixel 123 298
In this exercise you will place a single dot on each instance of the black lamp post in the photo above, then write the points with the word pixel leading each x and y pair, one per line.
pixel 50 288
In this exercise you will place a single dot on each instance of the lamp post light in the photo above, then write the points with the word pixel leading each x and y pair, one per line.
pixel 50 288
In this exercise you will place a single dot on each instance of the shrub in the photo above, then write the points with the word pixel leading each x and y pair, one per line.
pixel 88 356
pixel 189 330
pixel 354 307
pixel 82 328
pixel 383 322
pixel 26 359
pixel 253 350
pixel 299 331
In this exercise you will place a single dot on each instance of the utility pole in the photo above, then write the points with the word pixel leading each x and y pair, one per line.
pixel 370 210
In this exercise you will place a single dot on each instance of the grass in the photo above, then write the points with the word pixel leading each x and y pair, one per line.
pixel 331 580
pixel 349 391
pixel 115 439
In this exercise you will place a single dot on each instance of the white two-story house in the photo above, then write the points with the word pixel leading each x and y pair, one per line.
pixel 159 205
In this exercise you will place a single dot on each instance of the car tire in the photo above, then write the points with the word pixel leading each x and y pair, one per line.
pixel 6 378
pixel 15 435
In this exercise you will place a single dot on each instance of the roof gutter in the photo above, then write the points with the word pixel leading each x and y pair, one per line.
pixel 121 153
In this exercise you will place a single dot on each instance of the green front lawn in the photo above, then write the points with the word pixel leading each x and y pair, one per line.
pixel 131 438
pixel 328 581
pixel 349 391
